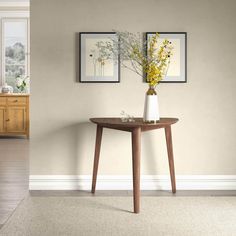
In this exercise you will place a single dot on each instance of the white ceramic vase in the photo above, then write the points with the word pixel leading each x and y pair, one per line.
pixel 151 109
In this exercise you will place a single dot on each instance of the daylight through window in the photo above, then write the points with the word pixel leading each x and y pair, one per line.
pixel 15 54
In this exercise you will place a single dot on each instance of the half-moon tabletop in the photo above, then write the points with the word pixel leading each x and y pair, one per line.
pixel 116 123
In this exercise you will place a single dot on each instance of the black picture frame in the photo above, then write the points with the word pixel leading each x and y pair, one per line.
pixel 85 39
pixel 182 50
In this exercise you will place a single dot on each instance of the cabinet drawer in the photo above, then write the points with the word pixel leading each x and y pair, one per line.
pixel 16 101
pixel 3 101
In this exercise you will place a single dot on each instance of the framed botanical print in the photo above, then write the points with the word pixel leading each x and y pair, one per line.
pixel 94 65
pixel 177 70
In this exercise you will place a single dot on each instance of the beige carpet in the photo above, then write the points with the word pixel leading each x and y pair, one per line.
pixel 95 216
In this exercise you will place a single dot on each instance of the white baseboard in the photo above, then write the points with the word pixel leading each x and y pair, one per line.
pixel 124 182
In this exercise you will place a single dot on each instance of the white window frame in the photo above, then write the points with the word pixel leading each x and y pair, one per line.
pixel 27 53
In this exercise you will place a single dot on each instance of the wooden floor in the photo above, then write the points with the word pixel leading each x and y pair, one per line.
pixel 14 159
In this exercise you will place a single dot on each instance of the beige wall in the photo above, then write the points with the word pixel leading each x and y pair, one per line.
pixel 62 138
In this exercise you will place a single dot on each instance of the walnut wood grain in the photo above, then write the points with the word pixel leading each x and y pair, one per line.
pixel 116 123
pixel 135 128
pixel 96 156
pixel 170 157
pixel 136 153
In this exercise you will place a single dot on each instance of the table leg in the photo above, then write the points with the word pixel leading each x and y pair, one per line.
pixel 170 157
pixel 136 153
pixel 96 156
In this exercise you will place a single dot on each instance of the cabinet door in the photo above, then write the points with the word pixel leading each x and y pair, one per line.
pixel 2 119
pixel 16 119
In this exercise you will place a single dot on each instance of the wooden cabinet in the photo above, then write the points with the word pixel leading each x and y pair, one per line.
pixel 14 114
pixel 2 119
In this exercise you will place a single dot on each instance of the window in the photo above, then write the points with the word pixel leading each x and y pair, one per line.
pixel 15 50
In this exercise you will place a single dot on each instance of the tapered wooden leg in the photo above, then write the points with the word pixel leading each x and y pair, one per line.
pixel 136 153
pixel 96 156
pixel 170 157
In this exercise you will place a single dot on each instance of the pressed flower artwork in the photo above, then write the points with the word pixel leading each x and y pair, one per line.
pixel 97 65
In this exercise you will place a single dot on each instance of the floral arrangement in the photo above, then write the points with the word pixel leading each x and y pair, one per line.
pixel 158 60
pixel 148 59
pixel 22 83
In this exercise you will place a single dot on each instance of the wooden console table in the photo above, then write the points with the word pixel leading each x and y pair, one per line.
pixel 135 128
